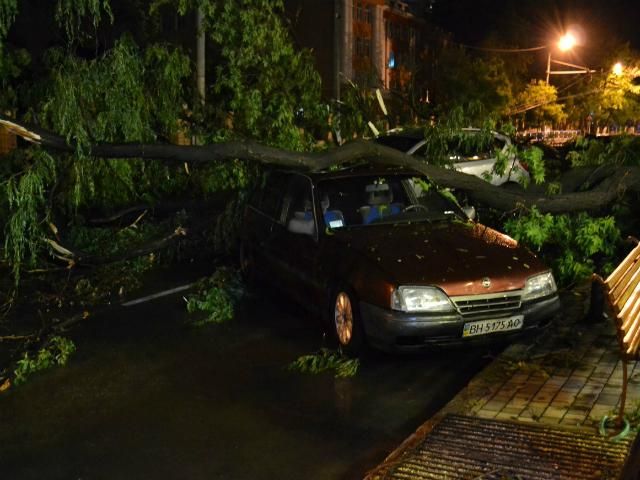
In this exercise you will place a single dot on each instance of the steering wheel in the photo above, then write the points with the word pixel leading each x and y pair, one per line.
pixel 415 206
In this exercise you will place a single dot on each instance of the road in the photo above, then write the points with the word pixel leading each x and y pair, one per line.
pixel 147 396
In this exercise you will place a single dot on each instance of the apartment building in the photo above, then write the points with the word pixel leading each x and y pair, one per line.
pixel 370 42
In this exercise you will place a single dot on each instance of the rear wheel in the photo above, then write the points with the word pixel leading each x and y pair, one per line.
pixel 346 323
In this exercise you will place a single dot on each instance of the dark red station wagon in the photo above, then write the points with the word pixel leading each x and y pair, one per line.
pixel 392 261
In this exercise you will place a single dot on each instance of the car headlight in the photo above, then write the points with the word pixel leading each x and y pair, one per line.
pixel 420 299
pixel 539 286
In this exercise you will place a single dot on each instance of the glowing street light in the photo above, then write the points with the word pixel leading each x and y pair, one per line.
pixel 567 42
pixel 617 69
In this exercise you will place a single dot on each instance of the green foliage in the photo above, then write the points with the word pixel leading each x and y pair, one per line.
pixel 70 14
pixel 462 79
pixel 618 99
pixel 216 297
pixel 109 241
pixel 25 194
pixel 538 104
pixel 619 150
pixel 446 135
pixel 124 96
pixel 554 188
pixel 118 278
pixel 263 87
pixel 357 107
pixel 12 65
pixel 56 352
pixel 326 360
pixel 569 243
pixel 533 157
pixel 8 12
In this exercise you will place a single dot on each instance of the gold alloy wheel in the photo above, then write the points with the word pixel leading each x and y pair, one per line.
pixel 343 318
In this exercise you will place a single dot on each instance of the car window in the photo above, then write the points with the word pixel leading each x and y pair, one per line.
pixel 298 209
pixel 469 147
pixel 368 200
pixel 398 142
pixel 270 202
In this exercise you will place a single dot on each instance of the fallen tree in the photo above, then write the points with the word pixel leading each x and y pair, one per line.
pixel 606 184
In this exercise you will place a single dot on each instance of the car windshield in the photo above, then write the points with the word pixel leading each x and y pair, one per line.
pixel 372 200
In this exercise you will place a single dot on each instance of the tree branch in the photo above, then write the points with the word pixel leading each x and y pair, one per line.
pixel 607 191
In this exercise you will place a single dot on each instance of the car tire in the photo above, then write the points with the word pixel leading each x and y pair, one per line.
pixel 346 323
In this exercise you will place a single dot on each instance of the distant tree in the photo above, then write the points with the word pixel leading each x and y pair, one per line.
pixel 538 104
pixel 461 79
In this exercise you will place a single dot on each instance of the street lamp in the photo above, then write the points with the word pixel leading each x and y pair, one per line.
pixel 617 69
pixel 565 43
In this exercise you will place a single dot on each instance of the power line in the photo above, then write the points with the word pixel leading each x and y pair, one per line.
pixel 504 50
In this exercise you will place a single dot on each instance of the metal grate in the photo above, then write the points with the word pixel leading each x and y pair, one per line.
pixel 472 448
pixel 490 303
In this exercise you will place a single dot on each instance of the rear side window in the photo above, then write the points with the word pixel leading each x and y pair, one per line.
pixel 270 202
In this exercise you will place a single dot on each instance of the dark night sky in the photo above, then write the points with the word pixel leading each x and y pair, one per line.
pixel 471 21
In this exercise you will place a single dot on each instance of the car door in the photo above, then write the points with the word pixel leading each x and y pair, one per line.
pixel 264 214
pixel 293 244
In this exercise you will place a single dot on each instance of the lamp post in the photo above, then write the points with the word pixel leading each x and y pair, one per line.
pixel 566 43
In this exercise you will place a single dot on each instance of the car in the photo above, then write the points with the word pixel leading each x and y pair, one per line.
pixel 391 261
pixel 467 157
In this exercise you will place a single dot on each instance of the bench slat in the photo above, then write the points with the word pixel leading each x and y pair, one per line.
pixel 630 310
pixel 627 285
pixel 632 332
pixel 634 339
pixel 615 276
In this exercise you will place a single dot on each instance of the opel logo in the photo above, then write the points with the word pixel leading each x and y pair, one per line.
pixel 486 282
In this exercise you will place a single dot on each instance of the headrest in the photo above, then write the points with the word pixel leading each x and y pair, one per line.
pixel 324 203
pixel 378 194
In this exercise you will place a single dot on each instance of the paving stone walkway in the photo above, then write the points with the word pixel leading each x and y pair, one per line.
pixel 568 378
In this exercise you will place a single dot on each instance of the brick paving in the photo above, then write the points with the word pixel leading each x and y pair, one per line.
pixel 578 396
pixel 569 378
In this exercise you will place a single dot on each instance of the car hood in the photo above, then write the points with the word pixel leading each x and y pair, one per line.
pixel 457 256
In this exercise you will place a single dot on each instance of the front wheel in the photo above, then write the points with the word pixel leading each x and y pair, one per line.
pixel 347 326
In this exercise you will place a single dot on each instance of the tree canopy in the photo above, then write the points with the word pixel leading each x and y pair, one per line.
pixel 106 104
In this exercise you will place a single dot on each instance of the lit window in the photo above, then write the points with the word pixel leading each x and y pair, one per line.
pixel 392 60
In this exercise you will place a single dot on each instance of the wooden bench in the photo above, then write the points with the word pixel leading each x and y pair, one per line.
pixel 622 294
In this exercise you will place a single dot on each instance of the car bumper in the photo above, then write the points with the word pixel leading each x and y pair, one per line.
pixel 391 330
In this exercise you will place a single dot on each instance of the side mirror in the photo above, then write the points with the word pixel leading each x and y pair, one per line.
pixel 470 212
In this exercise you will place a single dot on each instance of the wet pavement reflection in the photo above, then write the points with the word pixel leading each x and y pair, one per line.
pixel 146 396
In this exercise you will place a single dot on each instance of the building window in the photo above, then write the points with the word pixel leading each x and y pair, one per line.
pixel 362 12
pixel 363 47
pixel 392 60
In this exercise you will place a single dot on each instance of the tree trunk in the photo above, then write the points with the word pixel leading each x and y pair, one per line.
pixel 610 183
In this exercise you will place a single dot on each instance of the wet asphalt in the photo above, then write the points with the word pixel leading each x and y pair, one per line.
pixel 148 396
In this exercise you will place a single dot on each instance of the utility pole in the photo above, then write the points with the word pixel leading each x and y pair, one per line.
pixel 200 55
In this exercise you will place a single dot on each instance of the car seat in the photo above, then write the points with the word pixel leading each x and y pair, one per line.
pixel 302 221
pixel 379 199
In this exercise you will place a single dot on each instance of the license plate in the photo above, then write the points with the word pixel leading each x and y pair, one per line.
pixel 484 327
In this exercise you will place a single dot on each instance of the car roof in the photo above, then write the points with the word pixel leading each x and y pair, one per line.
pixel 365 168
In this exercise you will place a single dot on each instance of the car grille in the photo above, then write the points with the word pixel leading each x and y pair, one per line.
pixel 489 303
